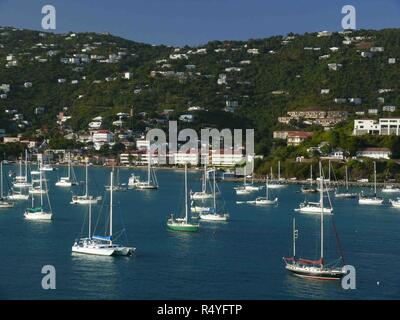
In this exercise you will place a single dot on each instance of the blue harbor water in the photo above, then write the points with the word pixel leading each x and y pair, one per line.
pixel 240 259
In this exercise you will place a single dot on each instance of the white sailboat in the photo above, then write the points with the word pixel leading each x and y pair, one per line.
pixel 102 245
pixel 266 200
pixel 213 214
pixel 314 269
pixel 39 213
pixel 346 194
pixel 390 189
pixel 371 199
pixel 151 183
pixel 86 198
pixel 46 166
pixel 21 181
pixel 309 189
pixel 277 184
pixel 203 194
pixel 315 207
pixel 70 179
pixel 242 190
pixel 183 224
pixel 395 203
pixel 117 185
pixel 4 203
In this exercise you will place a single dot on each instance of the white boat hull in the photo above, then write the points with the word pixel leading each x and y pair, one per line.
pixel 201 196
pixel 370 201
pixel 214 217
pixel 263 202
pixel 314 210
pixel 38 216
pixel 18 197
pixel 395 203
pixel 85 200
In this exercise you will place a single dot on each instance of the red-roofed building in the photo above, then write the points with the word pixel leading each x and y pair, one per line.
pixel 294 138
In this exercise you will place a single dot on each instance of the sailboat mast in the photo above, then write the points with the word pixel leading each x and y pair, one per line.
pixel 186 195
pixel 1 181
pixel 90 219
pixel 41 189
pixel 205 177
pixel 294 237
pixel 111 203
pixel 215 206
pixel 148 165
pixel 322 210
pixel 347 180
pixel 69 167
pixel 266 188
pixel 26 165
pixel 375 178
pixel 279 171
pixel 86 183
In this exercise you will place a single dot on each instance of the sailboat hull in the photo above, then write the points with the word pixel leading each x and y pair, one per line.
pixel 186 227
pixel 315 272
pixel 38 216
pixel 214 217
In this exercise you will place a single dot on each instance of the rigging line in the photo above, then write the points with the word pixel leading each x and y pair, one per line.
pixel 338 243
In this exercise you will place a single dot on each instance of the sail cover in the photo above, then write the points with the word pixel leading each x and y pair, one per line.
pixel 306 261
pixel 106 238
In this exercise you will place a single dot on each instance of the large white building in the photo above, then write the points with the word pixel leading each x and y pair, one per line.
pixel 101 137
pixel 383 126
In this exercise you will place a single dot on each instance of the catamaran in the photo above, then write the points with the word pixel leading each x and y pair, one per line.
pixel 212 214
pixel 277 184
pixel 183 224
pixel 346 194
pixel 314 269
pixel 102 245
pixel 3 201
pixel 315 207
pixel 86 198
pixel 39 213
pixel 372 199
pixel 70 179
pixel 309 189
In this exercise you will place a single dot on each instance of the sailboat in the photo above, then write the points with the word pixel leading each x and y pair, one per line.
pixel 3 202
pixel 314 269
pixel 39 213
pixel 390 189
pixel 347 194
pixel 183 224
pixel 46 166
pixel 203 194
pixel 117 185
pixel 266 200
pixel 372 199
pixel 315 207
pixel 21 181
pixel 277 184
pixel 102 245
pixel 242 190
pixel 86 198
pixel 212 214
pixel 151 183
pixel 309 189
pixel 70 179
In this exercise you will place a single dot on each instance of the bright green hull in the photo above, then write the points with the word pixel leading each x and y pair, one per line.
pixel 180 227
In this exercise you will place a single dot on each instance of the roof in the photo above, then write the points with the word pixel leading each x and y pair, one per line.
pixel 300 134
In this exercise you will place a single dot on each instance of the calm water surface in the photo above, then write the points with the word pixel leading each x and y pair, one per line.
pixel 241 259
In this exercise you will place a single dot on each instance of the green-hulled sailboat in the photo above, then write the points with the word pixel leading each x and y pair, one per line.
pixel 183 224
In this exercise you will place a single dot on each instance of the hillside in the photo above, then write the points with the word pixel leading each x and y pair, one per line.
pixel 257 80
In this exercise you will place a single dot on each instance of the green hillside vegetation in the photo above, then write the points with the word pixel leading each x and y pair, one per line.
pixel 300 73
